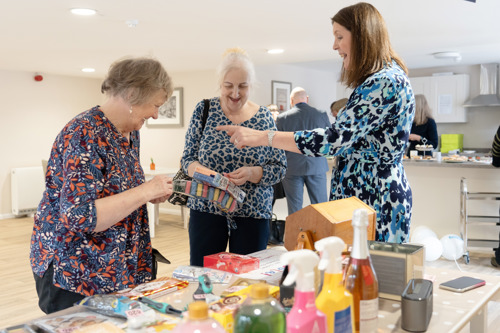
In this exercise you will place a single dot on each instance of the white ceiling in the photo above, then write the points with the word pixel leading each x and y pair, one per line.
pixel 43 36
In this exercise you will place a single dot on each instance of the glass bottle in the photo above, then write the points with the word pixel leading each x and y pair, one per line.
pixel 360 278
pixel 260 313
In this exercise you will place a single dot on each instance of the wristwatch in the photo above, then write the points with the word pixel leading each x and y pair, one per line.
pixel 270 136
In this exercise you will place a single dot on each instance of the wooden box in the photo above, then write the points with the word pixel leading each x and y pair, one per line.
pixel 326 219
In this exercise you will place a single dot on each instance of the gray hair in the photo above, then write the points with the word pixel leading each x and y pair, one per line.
pixel 236 58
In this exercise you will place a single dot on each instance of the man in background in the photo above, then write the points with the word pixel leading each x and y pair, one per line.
pixel 301 170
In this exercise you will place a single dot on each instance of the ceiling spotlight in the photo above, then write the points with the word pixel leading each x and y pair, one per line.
pixel 456 56
pixel 88 70
pixel 83 11
pixel 275 51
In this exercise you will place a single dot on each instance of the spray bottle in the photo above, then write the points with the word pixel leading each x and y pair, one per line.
pixel 334 300
pixel 304 316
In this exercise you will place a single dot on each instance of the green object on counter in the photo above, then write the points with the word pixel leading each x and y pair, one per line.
pixel 451 142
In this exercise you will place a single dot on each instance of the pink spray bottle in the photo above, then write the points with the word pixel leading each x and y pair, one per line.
pixel 304 316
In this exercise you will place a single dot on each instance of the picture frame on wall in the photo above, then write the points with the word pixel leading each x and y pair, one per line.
pixel 171 113
pixel 280 92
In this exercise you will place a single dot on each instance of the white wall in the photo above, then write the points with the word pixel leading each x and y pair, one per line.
pixel 482 123
pixel 33 113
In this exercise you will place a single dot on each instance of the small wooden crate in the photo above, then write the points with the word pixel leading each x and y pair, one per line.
pixel 326 219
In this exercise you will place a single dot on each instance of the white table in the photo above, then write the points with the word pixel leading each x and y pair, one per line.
pixel 451 311
pixel 154 209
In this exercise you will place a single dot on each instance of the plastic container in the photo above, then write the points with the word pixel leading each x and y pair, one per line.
pixel 334 300
pixel 304 316
pixel 198 320
pixel 260 313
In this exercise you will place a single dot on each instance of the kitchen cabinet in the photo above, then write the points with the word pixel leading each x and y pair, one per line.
pixel 445 94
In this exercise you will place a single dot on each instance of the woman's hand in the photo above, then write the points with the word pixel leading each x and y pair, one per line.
pixel 244 136
pixel 245 174
pixel 415 137
pixel 161 188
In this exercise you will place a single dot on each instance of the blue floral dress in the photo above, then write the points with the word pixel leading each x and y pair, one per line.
pixel 369 138
pixel 212 149
pixel 90 159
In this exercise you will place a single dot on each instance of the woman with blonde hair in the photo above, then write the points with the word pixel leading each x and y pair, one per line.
pixel 254 170
pixel 424 129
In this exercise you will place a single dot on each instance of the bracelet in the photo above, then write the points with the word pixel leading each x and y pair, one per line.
pixel 270 136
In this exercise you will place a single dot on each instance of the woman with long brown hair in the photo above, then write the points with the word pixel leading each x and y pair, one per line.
pixel 371 133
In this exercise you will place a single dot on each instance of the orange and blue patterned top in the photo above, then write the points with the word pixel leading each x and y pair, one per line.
pixel 90 159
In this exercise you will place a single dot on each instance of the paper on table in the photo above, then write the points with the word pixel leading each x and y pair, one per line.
pixel 270 268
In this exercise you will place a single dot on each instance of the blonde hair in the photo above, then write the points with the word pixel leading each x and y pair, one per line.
pixel 422 110
pixel 235 58
pixel 136 80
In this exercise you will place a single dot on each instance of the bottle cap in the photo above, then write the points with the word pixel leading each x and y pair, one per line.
pixel 331 254
pixel 360 218
pixel 260 291
pixel 198 310
pixel 301 264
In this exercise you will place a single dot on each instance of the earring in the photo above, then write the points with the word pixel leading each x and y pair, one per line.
pixel 130 110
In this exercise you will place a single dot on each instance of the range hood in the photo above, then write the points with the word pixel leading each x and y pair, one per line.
pixel 488 87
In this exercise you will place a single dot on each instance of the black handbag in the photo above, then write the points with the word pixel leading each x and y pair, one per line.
pixel 276 231
pixel 181 199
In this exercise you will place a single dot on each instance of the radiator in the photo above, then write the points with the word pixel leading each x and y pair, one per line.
pixel 27 186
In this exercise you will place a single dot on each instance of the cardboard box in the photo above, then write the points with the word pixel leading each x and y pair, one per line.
pixel 326 219
pixel 395 265
pixel 231 262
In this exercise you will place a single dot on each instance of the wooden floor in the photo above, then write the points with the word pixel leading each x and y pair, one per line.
pixel 18 299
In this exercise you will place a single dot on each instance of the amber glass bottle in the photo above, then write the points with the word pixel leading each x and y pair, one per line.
pixel 360 278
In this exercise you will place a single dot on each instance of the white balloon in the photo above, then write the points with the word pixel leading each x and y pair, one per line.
pixel 432 248
pixel 420 233
pixel 453 246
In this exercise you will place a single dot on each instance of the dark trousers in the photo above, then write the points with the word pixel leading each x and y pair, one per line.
pixel 52 298
pixel 208 234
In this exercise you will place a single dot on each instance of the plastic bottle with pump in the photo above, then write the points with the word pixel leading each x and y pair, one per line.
pixel 360 278
pixel 333 300
pixel 304 316
pixel 260 313
pixel 198 320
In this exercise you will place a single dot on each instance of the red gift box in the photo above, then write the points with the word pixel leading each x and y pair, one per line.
pixel 231 262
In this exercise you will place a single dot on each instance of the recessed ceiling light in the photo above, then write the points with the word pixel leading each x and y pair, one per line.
pixel 448 55
pixel 83 11
pixel 275 51
pixel 88 70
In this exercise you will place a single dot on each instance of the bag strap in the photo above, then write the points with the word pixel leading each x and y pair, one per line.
pixel 206 107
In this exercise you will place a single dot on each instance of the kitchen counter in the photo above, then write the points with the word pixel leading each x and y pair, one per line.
pixel 442 164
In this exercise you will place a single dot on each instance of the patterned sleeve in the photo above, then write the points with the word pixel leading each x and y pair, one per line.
pixel 372 104
pixel 81 179
pixel 193 137
pixel 274 163
pixel 495 149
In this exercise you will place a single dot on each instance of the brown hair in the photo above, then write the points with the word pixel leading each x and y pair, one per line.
pixel 137 80
pixel 337 105
pixel 371 49
pixel 422 110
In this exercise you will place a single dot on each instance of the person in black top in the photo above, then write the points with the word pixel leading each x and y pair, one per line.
pixel 424 129
pixel 495 152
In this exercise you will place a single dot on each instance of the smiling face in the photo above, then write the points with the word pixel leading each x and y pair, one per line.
pixel 234 90
pixel 342 43
pixel 140 113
